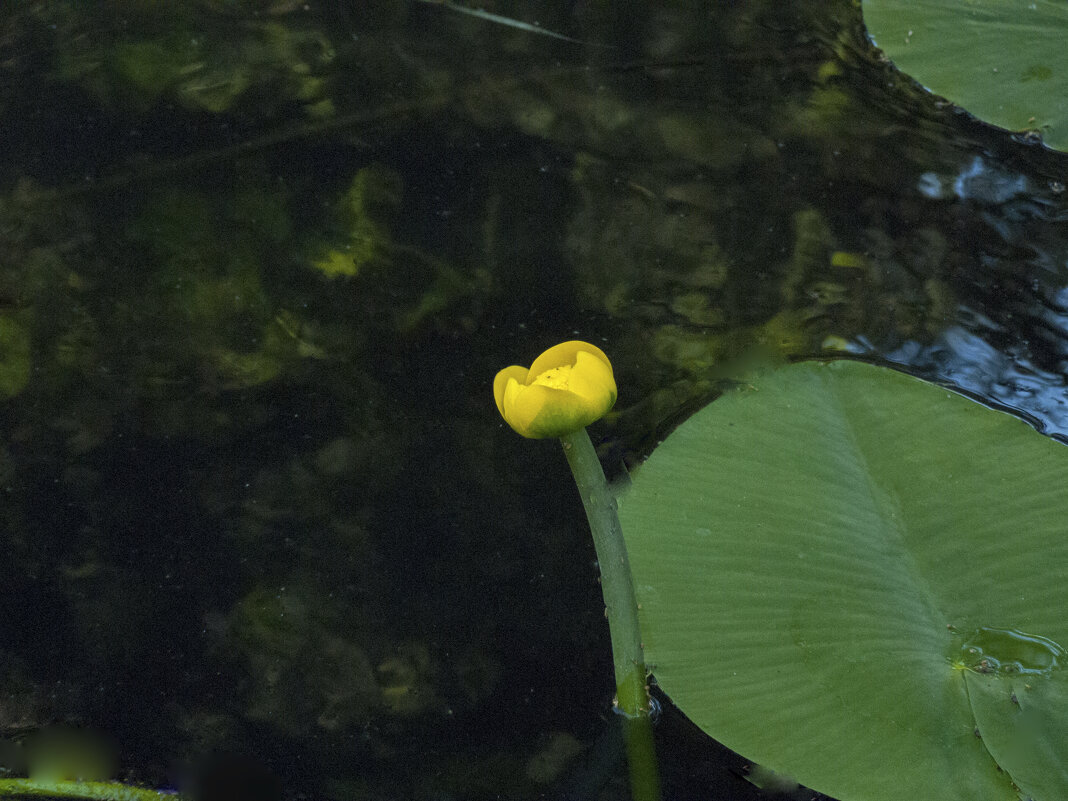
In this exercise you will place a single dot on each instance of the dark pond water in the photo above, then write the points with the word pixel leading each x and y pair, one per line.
pixel 259 263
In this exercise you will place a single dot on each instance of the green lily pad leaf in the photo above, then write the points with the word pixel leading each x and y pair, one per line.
pixel 1021 721
pixel 1005 61
pixel 845 572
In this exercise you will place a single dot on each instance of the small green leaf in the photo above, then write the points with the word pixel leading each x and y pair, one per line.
pixel 844 572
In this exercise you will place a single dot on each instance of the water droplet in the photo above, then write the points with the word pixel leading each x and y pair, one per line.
pixel 1011 652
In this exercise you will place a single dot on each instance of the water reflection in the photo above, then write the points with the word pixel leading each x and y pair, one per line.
pixel 962 358
pixel 262 260
pixel 978 181
pixel 1006 342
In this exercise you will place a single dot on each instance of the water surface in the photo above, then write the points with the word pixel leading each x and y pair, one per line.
pixel 259 262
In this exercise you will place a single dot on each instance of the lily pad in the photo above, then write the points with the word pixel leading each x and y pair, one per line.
pixel 847 575
pixel 1004 61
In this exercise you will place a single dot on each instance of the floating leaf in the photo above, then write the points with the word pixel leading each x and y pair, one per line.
pixel 845 573
pixel 1005 61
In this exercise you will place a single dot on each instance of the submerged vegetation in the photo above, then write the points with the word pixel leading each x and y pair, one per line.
pixel 260 260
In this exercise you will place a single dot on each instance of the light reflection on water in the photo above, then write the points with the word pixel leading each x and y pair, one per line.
pixel 1010 348
pixel 964 359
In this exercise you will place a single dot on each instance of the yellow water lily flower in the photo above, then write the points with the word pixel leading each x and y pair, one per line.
pixel 567 388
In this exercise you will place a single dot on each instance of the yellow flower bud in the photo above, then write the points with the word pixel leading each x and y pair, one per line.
pixel 567 388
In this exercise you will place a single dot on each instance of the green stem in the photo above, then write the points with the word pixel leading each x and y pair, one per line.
pixel 94 791
pixel 621 609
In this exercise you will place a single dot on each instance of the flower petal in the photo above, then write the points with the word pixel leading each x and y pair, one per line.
pixel 559 412
pixel 592 380
pixel 564 354
pixel 523 404
pixel 501 382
